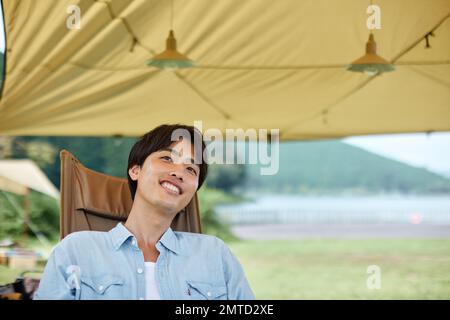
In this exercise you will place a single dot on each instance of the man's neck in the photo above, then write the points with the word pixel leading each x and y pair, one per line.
pixel 147 224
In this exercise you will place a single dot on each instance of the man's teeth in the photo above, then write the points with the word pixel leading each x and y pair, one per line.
pixel 171 187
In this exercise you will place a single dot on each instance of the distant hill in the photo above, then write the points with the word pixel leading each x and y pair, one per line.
pixel 334 166
pixel 305 167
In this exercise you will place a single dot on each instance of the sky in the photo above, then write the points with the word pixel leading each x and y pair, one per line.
pixel 431 151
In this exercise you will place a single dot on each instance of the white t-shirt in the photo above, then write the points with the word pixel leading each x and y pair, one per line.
pixel 151 291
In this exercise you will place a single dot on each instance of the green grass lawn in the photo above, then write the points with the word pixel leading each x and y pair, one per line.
pixel 337 269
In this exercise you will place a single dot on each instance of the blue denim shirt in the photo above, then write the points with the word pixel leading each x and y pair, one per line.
pixel 110 265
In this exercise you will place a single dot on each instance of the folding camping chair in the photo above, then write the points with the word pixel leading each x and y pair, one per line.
pixel 92 200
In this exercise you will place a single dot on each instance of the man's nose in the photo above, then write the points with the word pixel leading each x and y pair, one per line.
pixel 177 174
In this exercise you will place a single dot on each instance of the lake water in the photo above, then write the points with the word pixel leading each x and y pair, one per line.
pixel 291 209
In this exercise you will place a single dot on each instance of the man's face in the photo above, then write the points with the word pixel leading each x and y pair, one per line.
pixel 168 179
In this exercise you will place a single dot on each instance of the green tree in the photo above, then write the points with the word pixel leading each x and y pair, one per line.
pixel 226 176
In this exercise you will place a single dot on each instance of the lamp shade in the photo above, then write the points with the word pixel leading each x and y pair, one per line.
pixel 171 58
pixel 371 63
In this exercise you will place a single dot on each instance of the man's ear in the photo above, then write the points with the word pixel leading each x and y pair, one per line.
pixel 134 172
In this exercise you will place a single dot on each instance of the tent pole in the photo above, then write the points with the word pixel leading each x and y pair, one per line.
pixel 30 226
pixel 26 205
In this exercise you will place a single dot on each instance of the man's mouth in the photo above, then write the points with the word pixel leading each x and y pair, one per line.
pixel 171 188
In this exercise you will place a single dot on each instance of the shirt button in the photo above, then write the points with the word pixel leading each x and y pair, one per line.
pixel 139 270
pixel 100 288
pixel 208 294
pixel 140 298
pixel 133 242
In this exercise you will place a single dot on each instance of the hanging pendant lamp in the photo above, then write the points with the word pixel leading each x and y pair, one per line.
pixel 371 63
pixel 170 58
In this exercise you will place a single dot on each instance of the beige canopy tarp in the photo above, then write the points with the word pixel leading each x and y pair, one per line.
pixel 261 64
pixel 18 175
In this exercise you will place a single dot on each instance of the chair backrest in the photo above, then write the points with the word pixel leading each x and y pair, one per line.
pixel 92 200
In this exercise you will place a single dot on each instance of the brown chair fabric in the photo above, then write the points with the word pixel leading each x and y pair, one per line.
pixel 92 200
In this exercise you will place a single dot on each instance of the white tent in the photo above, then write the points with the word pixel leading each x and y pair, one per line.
pixel 19 175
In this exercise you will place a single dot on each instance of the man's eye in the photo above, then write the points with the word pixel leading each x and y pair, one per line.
pixel 192 170
pixel 167 158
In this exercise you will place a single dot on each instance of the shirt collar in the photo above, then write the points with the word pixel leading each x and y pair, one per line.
pixel 120 234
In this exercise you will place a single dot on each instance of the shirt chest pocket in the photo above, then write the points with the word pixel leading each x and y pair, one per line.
pixel 101 287
pixel 206 291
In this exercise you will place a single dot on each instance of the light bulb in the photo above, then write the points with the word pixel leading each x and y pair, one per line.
pixel 371 71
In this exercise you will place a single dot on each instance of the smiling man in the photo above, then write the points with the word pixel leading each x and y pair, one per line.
pixel 144 258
